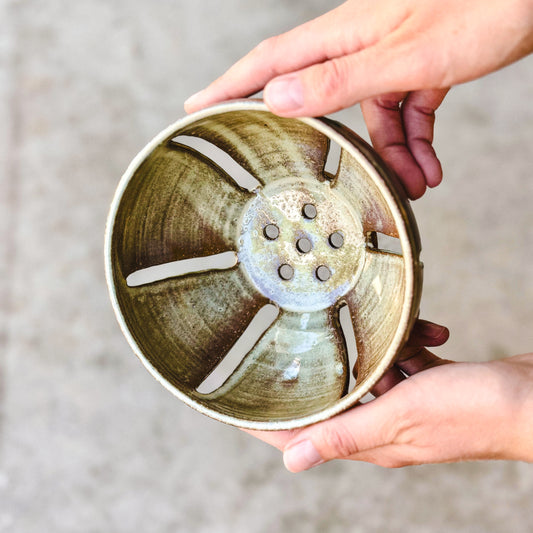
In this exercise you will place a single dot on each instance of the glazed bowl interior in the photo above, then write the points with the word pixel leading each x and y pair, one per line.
pixel 262 278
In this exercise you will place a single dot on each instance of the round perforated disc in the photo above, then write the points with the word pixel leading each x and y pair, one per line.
pixel 231 254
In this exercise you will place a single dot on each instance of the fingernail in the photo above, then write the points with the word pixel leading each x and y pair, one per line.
pixel 192 100
pixel 301 456
pixel 284 94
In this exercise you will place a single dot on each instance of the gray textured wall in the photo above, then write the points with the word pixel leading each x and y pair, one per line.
pixel 89 441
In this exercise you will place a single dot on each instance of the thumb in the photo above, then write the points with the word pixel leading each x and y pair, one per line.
pixel 344 81
pixel 346 436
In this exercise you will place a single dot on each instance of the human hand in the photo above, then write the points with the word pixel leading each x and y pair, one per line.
pixel 383 53
pixel 443 412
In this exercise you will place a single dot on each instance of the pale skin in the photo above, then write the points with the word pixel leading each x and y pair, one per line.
pixel 398 59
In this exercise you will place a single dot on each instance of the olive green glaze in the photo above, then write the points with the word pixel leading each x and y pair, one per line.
pixel 293 357
pixel 175 205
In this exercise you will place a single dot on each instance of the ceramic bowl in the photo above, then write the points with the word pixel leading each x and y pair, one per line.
pixel 244 254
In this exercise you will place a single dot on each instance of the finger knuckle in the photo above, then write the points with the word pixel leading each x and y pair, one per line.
pixel 331 79
pixel 426 112
pixel 389 102
pixel 266 47
pixel 337 441
pixel 432 65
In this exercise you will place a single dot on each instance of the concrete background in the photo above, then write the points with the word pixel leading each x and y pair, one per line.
pixel 89 441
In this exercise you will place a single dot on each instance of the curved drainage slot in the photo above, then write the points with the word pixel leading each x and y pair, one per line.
pixel 173 269
pixel 264 318
pixel 368 397
pixel 333 159
pixel 384 243
pixel 348 332
pixel 236 172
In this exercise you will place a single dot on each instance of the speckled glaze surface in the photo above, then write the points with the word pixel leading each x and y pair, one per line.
pixel 296 237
